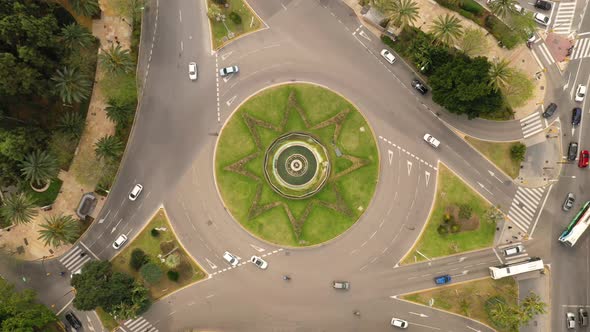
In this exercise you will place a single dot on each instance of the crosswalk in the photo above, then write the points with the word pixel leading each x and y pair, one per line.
pixel 581 49
pixel 512 259
pixel 531 125
pixel 564 18
pixel 75 259
pixel 139 324
pixel 524 206
pixel 545 54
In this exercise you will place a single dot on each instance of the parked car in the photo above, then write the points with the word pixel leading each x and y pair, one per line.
pixel 341 284
pixel 542 4
pixel 584 156
pixel 261 263
pixel 192 71
pixel 550 110
pixel 416 84
pixel 120 241
pixel 580 93
pixel 441 280
pixel 570 320
pixel 228 71
pixel 583 317
pixel 513 250
pixel 576 116
pixel 431 140
pixel 230 258
pixel 572 151
pixel 135 192
pixel 73 320
pixel 519 9
pixel 402 324
pixel 541 19
pixel 570 199
pixel 388 56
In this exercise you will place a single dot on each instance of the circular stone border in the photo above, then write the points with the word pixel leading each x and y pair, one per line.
pixel 320 166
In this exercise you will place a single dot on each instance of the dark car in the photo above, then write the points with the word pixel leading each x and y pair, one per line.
pixel 73 320
pixel 572 151
pixel 576 116
pixel 441 280
pixel 583 317
pixel 542 4
pixel 420 87
pixel 550 110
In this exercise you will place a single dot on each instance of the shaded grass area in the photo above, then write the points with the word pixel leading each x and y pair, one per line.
pixel 151 245
pixel 107 320
pixel 321 222
pixel 451 190
pixel 468 299
pixel 249 22
pixel 498 153
pixel 48 196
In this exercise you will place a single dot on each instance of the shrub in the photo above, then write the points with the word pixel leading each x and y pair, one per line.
pixel 154 232
pixel 447 218
pixel 465 211
pixel 235 17
pixel 442 230
pixel 185 268
pixel 472 7
pixel 455 228
pixel 173 275
pixel 388 41
pixel 502 32
pixel 220 2
pixel 138 259
pixel 151 273
pixel 172 260
pixel 166 247
pixel 468 15
pixel 517 152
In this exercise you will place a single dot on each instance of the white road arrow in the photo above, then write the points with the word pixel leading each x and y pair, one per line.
pixel 390 153
pixel 257 248
pixel 213 266
pixel 409 167
pixel 364 35
pixel 102 219
pixel 484 188
pixel 225 79
pixel 226 55
pixel 115 228
pixel 427 177
pixel 419 314
pixel 494 175
pixel 231 100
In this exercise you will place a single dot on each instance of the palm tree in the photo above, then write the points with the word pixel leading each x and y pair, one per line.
pixel 532 305
pixel 71 85
pixel 402 12
pixel 39 167
pixel 85 7
pixel 108 147
pixel 71 123
pixel 499 74
pixel 117 60
pixel 18 208
pixel 446 29
pixel 500 314
pixel 74 35
pixel 503 8
pixel 58 230
pixel 380 4
pixel 117 112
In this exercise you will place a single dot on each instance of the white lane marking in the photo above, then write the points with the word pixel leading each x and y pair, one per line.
pixel 409 167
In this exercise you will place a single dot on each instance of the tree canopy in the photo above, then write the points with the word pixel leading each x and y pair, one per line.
pixel 19 311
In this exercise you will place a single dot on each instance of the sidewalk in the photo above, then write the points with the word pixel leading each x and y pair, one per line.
pixel 78 180
pixel 541 286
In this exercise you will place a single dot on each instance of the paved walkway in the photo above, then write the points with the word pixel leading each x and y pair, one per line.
pixel 83 174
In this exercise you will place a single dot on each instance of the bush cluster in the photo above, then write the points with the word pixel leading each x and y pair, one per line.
pixel 235 17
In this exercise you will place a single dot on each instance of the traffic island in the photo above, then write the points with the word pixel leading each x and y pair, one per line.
pixel 230 19
pixel 296 165
pixel 460 221
pixel 507 156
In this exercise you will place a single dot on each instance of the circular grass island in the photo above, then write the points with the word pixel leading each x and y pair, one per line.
pixel 296 165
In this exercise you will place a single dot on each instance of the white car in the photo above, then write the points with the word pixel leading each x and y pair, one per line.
pixel 228 70
pixel 402 324
pixel 261 263
pixel 120 241
pixel 135 192
pixel 431 140
pixel 580 93
pixel 541 19
pixel 192 71
pixel 388 56
pixel 519 9
pixel 230 258
pixel 513 251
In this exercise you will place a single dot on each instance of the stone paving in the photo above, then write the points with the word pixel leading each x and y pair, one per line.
pixel 110 29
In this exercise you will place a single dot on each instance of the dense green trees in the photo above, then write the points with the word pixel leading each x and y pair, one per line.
pixel 511 317
pixel 117 293
pixel 19 311
pixel 71 85
pixel 18 208
pixel 58 230
pixel 85 7
pixel 39 167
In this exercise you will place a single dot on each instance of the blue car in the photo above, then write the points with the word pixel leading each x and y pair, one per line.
pixel 442 279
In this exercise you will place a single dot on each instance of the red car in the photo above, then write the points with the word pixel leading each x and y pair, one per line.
pixel 584 155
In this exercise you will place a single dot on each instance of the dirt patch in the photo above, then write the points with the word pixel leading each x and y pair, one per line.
pixel 465 224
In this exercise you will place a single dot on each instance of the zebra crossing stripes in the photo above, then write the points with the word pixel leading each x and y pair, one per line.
pixel 531 125
pixel 73 260
pixel 524 206
pixel 546 54
pixel 564 18
pixel 581 49
pixel 139 324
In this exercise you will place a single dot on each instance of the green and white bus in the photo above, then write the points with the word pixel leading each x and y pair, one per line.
pixel 577 226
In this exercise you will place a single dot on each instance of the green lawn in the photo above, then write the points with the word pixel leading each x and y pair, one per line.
pixel 48 196
pixel 190 273
pixel 107 320
pixel 468 299
pixel 345 196
pixel 452 191
pixel 498 153
pixel 250 22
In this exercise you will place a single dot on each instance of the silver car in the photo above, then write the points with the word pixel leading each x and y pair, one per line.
pixel 569 201
pixel 228 71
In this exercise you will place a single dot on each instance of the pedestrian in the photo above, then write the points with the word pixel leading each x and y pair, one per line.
pixel 509 227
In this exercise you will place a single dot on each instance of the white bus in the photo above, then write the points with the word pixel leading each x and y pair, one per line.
pixel 577 226
pixel 532 264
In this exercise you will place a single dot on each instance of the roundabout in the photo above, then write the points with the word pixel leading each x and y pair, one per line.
pixel 296 165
